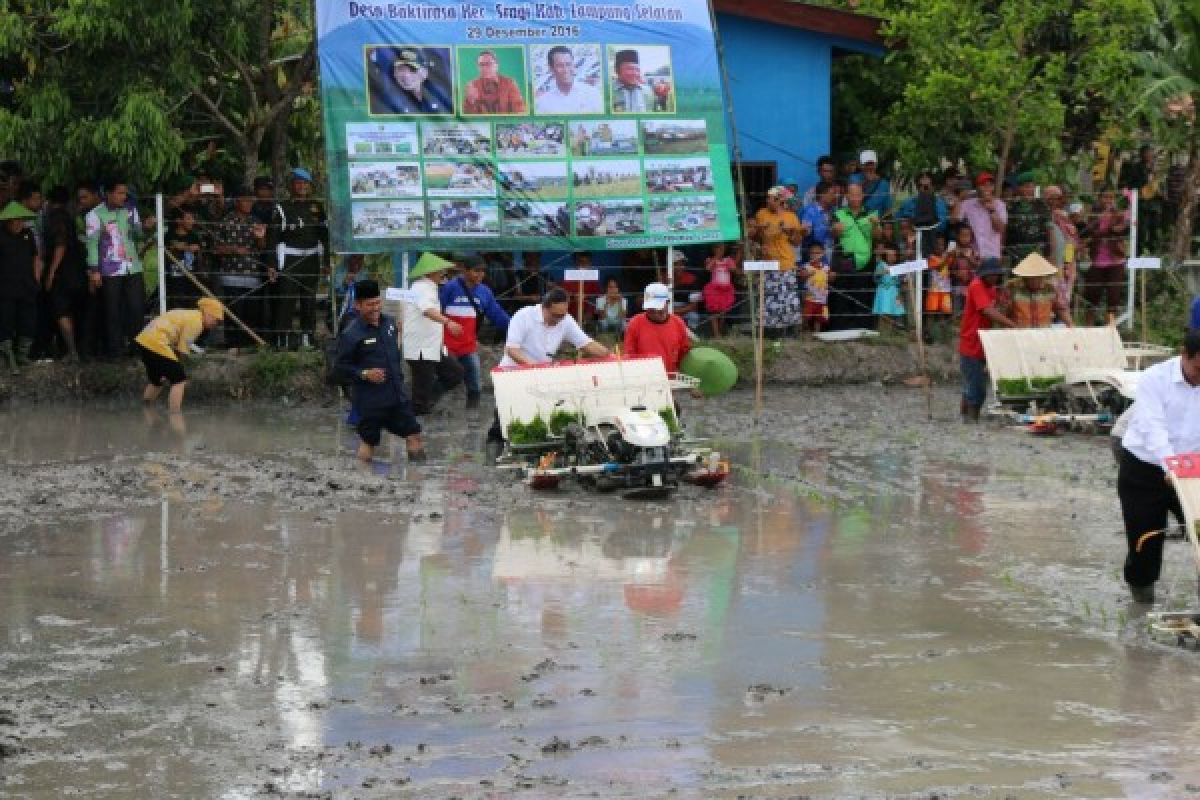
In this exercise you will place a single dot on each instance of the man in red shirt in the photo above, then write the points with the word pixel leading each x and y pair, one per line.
pixel 656 331
pixel 980 313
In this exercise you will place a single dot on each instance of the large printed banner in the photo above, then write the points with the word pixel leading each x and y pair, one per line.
pixel 523 126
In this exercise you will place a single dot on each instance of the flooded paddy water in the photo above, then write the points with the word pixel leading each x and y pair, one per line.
pixel 876 606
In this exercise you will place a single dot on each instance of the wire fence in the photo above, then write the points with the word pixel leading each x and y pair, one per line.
pixel 293 300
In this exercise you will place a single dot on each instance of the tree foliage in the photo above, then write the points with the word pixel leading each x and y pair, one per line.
pixel 994 83
pixel 97 87
pixel 1169 73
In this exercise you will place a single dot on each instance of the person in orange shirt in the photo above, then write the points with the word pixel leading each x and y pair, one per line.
pixel 491 92
pixel 165 339
pixel 656 331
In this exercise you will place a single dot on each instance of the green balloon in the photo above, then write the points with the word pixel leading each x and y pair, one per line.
pixel 716 371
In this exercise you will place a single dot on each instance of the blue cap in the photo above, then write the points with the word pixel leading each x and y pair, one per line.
pixel 302 174
pixel 990 266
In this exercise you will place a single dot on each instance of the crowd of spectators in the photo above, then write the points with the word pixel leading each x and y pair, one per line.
pixel 78 276
pixel 74 282
pixel 835 243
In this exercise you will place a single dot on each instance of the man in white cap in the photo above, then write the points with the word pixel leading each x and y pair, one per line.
pixel 876 189
pixel 1033 301
pixel 656 331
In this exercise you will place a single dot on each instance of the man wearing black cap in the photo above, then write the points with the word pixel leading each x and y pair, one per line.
pixel 264 199
pixel 629 92
pixel 979 313
pixel 368 357
pixel 407 87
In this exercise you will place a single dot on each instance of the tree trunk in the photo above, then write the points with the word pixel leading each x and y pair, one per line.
pixel 279 147
pixel 1181 240
pixel 1010 133
pixel 249 156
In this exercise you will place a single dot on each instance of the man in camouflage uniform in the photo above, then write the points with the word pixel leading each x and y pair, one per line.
pixel 299 244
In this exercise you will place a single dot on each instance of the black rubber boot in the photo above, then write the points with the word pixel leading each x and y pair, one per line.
pixel 10 358
pixel 21 351
pixel 472 401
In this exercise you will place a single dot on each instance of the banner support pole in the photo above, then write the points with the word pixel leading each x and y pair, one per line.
pixel 160 237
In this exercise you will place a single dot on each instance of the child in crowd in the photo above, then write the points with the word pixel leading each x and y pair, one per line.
pixel 965 259
pixel 938 298
pixel 889 231
pixel 889 306
pixel 906 241
pixel 719 292
pixel 611 309
pixel 817 277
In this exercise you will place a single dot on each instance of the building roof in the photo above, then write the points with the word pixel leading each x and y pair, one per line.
pixel 805 16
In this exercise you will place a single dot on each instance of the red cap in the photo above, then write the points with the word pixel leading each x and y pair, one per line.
pixel 984 177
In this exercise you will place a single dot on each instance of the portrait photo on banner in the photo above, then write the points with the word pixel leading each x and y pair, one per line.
pixel 567 78
pixel 641 79
pixel 492 80
pixel 409 79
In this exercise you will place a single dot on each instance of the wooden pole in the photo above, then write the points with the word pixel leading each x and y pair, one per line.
pixel 196 282
pixel 758 346
pixel 920 309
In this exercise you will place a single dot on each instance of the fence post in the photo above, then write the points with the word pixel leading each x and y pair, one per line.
pixel 161 236
pixel 1131 287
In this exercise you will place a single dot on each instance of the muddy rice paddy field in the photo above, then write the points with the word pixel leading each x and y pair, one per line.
pixel 876 606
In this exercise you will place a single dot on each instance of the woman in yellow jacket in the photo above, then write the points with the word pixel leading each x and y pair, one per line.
pixel 166 338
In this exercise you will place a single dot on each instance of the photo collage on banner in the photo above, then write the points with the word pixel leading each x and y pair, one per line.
pixel 492 142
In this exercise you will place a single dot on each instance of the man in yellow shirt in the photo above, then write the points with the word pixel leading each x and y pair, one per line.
pixel 166 338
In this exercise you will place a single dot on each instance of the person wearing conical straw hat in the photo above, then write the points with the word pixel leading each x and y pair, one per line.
pixel 424 327
pixel 1033 301
pixel 20 274
pixel 165 339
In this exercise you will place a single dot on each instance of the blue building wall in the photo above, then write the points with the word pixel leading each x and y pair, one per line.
pixel 779 83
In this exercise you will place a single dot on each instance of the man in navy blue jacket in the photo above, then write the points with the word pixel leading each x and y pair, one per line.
pixel 368 357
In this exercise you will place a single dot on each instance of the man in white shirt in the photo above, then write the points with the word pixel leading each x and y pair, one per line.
pixel 1165 422
pixel 536 332
pixel 433 372
pixel 565 94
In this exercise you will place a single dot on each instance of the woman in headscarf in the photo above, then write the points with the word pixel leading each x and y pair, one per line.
pixel 165 339
pixel 778 231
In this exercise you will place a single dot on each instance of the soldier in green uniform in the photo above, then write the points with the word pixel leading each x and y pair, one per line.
pixel 300 242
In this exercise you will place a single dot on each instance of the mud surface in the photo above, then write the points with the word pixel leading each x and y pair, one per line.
pixel 877 606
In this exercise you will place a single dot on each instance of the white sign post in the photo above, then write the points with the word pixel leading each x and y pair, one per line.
pixel 908 267
pixel 761 267
pixel 580 276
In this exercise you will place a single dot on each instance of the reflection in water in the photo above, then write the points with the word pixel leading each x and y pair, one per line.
pixel 842 623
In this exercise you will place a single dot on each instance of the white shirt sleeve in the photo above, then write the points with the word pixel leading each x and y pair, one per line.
pixel 1147 436
pixel 574 334
pixel 427 296
pixel 518 327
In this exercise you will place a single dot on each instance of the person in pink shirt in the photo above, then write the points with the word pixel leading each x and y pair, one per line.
pixel 987 216
pixel 1105 282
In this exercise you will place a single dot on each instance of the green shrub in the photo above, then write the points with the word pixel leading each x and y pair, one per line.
pixel 1018 387
pixel 533 432
pixel 272 371
pixel 559 420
